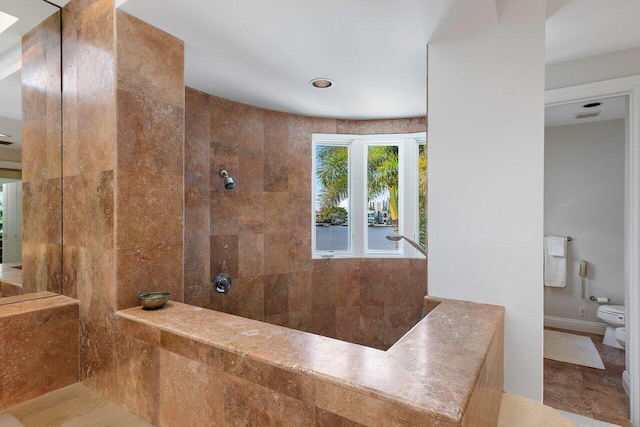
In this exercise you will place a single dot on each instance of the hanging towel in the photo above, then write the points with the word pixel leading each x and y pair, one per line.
pixel 555 267
pixel 557 245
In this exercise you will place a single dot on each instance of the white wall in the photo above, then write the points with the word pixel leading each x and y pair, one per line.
pixel 623 63
pixel 486 141
pixel 584 198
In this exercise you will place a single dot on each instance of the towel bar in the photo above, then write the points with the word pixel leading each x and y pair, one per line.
pixel 569 238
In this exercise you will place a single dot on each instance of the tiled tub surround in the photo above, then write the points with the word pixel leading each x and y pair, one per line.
pixel 207 367
pixel 260 232
pixel 38 348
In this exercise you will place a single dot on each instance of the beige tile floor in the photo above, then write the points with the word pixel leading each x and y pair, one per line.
pixel 73 406
pixel 79 406
pixel 593 393
pixel 520 412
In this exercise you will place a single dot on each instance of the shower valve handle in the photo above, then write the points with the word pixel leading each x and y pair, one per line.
pixel 222 283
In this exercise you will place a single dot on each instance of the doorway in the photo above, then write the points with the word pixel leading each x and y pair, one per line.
pixel 609 245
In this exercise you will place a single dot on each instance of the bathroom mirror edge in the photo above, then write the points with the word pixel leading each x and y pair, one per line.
pixel 37 44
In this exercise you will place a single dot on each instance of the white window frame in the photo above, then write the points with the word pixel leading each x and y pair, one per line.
pixel 409 221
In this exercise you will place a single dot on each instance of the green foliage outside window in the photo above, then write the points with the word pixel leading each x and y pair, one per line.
pixel 382 177
pixel 422 193
pixel 334 214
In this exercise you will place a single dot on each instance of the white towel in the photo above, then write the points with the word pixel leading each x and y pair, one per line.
pixel 555 267
pixel 557 245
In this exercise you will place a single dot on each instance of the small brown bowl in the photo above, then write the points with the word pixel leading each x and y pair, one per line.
pixel 153 300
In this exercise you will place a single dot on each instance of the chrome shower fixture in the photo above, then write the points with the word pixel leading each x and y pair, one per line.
pixel 398 237
pixel 228 181
pixel 222 283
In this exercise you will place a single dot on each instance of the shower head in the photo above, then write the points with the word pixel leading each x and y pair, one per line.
pixel 228 181
pixel 394 237
pixel 229 184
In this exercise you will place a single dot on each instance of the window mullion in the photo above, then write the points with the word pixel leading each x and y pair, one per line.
pixel 409 194
pixel 359 196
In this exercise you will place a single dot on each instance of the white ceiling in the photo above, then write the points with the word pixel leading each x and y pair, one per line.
pixel 610 109
pixel 265 53
pixel 29 13
pixel 581 28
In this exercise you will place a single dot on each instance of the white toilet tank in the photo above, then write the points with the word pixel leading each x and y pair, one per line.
pixel 612 314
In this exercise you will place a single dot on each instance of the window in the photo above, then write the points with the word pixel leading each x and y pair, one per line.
pixel 366 187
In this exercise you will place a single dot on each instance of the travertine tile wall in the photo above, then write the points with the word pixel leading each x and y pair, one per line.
pixel 260 232
pixel 123 188
pixel 370 127
pixel 41 157
pixel 250 232
pixel 367 301
pixel 123 159
pixel 38 348
pixel 150 146
pixel 89 157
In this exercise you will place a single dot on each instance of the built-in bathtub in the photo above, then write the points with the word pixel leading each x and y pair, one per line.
pixel 446 371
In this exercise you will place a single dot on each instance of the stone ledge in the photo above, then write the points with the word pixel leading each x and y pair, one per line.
pixel 430 373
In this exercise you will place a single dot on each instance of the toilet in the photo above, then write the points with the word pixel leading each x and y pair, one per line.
pixel 620 336
pixel 613 316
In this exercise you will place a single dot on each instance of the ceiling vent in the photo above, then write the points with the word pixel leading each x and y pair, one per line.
pixel 587 115
pixel 6 143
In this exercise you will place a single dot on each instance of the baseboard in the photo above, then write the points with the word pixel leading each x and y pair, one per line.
pixel 575 325
pixel 626 382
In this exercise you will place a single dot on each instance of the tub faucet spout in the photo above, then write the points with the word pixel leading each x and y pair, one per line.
pixel 398 237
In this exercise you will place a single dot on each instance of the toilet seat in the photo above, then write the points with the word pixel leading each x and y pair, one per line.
pixel 612 309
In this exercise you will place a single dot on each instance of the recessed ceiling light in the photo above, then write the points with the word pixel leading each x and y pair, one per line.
pixel 4 135
pixel 321 83
pixel 591 105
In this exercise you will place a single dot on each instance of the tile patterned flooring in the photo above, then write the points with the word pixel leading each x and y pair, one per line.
pixel 79 406
pixel 73 406
pixel 590 392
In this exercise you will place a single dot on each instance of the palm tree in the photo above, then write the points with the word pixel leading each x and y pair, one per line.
pixel 333 173
pixel 382 177
pixel 422 194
